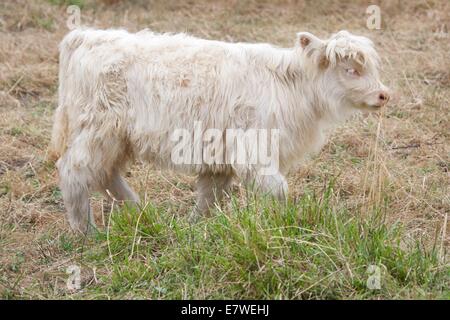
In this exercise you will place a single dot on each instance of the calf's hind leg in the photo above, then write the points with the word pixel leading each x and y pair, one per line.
pixel 85 167
pixel 76 182
pixel 120 189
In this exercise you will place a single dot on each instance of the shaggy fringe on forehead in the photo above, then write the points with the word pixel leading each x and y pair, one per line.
pixel 343 45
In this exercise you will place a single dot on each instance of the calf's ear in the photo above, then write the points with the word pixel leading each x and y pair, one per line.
pixel 307 40
pixel 313 47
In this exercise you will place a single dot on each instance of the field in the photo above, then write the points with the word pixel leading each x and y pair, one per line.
pixel 372 205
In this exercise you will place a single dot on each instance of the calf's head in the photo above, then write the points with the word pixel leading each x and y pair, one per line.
pixel 347 67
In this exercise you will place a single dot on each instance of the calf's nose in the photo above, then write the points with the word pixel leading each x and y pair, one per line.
pixel 383 97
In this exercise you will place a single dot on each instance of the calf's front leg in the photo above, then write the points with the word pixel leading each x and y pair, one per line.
pixel 210 190
pixel 273 183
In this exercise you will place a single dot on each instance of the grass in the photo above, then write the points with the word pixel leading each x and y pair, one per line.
pixel 260 250
pixel 387 206
pixel 79 3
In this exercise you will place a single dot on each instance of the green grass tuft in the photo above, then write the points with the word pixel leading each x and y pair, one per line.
pixel 263 250
pixel 79 3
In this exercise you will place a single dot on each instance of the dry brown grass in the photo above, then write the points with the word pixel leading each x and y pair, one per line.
pixel 402 154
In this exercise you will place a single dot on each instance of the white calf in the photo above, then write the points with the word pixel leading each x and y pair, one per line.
pixel 122 96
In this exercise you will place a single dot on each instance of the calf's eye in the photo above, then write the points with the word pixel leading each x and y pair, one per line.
pixel 352 72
